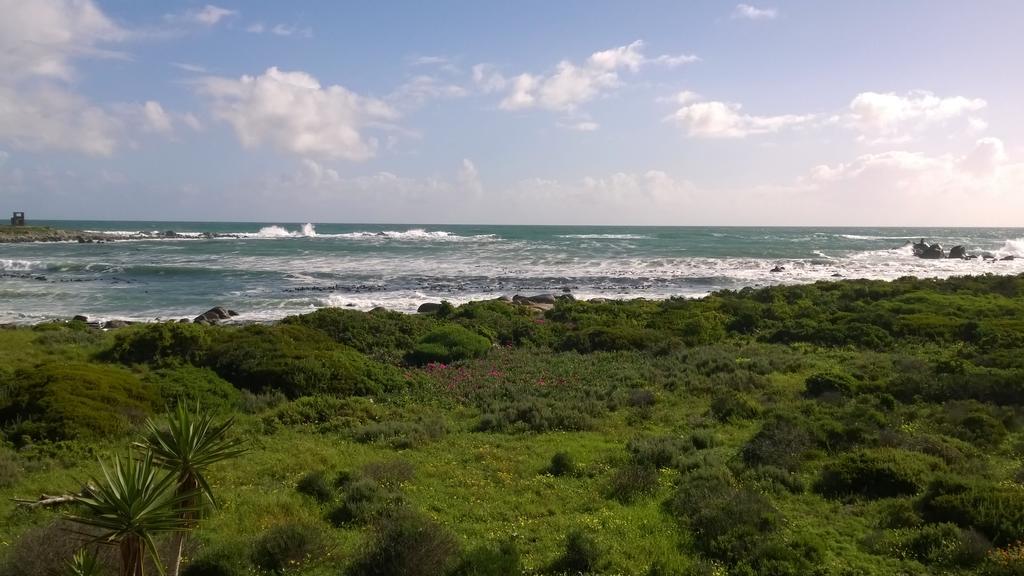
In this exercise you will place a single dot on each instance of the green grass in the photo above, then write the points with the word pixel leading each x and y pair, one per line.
pixel 934 398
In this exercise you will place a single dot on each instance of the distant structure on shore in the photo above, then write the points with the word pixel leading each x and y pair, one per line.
pixel 18 219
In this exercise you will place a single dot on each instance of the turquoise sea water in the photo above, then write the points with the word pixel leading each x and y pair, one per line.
pixel 272 270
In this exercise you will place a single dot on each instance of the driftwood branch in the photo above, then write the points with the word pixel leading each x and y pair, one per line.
pixel 48 500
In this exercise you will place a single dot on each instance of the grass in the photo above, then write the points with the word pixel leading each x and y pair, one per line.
pixel 937 403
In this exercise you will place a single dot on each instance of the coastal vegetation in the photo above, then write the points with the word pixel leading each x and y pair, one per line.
pixel 849 428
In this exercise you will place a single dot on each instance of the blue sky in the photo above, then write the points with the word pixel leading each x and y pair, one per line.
pixel 773 113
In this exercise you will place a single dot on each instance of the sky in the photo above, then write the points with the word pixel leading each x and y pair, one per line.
pixel 866 113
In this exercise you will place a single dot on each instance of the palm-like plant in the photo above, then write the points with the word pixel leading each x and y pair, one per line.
pixel 131 504
pixel 190 444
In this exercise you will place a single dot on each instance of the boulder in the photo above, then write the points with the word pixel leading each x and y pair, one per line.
pixel 929 251
pixel 429 308
pixel 212 316
pixel 116 324
pixel 1007 258
pixel 958 252
pixel 232 313
pixel 184 321
pixel 778 269
pixel 378 310
pixel 80 318
pixel 535 299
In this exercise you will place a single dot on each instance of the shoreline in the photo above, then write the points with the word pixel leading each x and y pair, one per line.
pixel 537 304
pixel 46 234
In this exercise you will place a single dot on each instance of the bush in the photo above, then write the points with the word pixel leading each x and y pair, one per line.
pixel 449 343
pixel 505 560
pixel 384 335
pixel 781 442
pixel 633 480
pixel 10 470
pixel 934 544
pixel 996 511
pixel 389 473
pixel 324 413
pixel 611 339
pixel 407 543
pixel 363 501
pixel 159 343
pixel 315 484
pixel 731 406
pixel 297 361
pixel 194 386
pixel 286 545
pixel 562 464
pixel 219 563
pixel 582 554
pixel 402 435
pixel 64 401
pixel 658 451
pixel 829 383
pixel 878 473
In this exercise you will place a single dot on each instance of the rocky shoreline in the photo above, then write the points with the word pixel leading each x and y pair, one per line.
pixel 11 234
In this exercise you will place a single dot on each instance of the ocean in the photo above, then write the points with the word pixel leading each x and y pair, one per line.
pixel 270 270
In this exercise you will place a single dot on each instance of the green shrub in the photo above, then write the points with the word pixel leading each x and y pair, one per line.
pixel 449 343
pixel 63 401
pixel 287 545
pixel 363 501
pixel 898 513
pixel 402 434
pixel 389 473
pixel 384 335
pixel 611 339
pixel 324 413
pixel 406 543
pixel 537 415
pixel 775 479
pixel 823 383
pixel 297 361
pixel 315 484
pixel 658 451
pixel 562 464
pixel 632 481
pixel 582 555
pixel 997 511
pixel 780 442
pixel 731 406
pixel 194 386
pixel 877 473
pixel 215 563
pixel 503 560
pixel 933 544
pixel 162 342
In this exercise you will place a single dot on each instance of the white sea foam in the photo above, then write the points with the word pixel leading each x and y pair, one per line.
pixel 862 237
pixel 10 265
pixel 1014 247
pixel 415 234
pixel 606 236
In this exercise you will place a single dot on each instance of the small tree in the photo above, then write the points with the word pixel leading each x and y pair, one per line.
pixel 131 504
pixel 190 444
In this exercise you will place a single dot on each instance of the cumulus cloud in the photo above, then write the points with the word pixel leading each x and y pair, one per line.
pixel 570 84
pixel 291 111
pixel 156 118
pixel 889 117
pixel 713 119
pixel 748 12
pixel 39 44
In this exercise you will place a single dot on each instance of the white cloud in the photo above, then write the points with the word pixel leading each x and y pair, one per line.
pixel 287 30
pixel 42 38
pixel 748 12
pixel 255 28
pixel 156 119
pixel 581 125
pixel 714 119
pixel 189 119
pixel 422 88
pixel 194 68
pixel 890 117
pixel 570 85
pixel 293 112
pixel 468 178
pixel 209 15
pixel 39 44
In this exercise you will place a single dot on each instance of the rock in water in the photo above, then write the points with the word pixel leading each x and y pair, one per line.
pixel 958 252
pixel 80 318
pixel 778 269
pixel 429 308
pixel 212 316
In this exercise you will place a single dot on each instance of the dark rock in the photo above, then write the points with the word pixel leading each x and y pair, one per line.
pixel 837 275
pixel 566 290
pixel 1007 258
pixel 429 308
pixel 923 249
pixel 116 324
pixel 378 310
pixel 170 234
pixel 778 269
pixel 232 313
pixel 535 299
pixel 213 315
pixel 958 252
pixel 80 318
pixel 350 305
pixel 184 321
